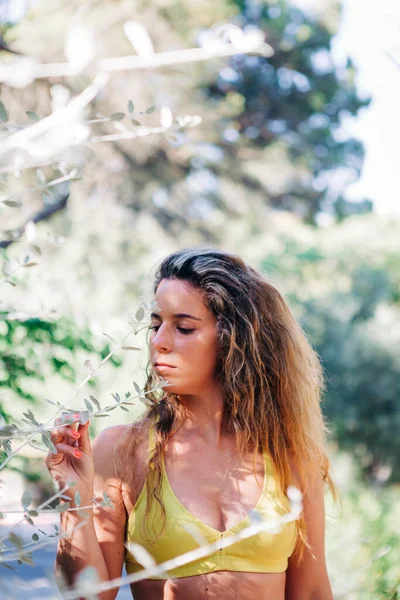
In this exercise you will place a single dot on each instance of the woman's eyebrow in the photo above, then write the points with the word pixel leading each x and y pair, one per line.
pixel 176 316
pixel 185 316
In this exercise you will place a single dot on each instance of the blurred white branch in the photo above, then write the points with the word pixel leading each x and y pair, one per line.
pixel 240 43
pixel 45 140
pixel 66 114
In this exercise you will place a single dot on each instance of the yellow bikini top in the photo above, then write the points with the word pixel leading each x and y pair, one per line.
pixel 264 552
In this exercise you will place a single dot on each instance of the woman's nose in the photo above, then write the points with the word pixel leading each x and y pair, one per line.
pixel 162 341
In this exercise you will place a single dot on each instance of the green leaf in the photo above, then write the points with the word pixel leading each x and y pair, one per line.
pixel 3 113
pixel 84 418
pixel 26 499
pixel 117 116
pixel 7 447
pixel 109 337
pixel 102 415
pixel 6 268
pixel 123 408
pixel 95 402
pixel 27 518
pixel 30 264
pixel 15 539
pixel 88 406
pixel 137 388
pixel 3 564
pixel 32 115
pixel 50 402
pixel 48 443
pixel 130 106
pixel 31 417
pixel 140 314
pixel 27 559
pixel 11 203
pixel 35 537
pixel 33 513
pixel 77 499
pixel 36 249
pixel 136 123
pixel 63 507
pixel 129 348
pixel 106 498
pixel 150 110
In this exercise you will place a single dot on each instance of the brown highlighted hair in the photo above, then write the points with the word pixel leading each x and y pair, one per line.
pixel 271 377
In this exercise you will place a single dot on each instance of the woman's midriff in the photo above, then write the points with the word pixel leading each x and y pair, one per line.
pixel 221 585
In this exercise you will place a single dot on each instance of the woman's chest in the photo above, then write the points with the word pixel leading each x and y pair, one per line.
pixel 219 489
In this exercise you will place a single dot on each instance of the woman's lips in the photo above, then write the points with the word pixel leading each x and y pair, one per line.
pixel 163 367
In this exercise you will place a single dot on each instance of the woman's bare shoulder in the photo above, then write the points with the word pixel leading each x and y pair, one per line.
pixel 116 433
pixel 107 440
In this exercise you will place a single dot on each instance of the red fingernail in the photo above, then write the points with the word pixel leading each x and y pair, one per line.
pixel 77 453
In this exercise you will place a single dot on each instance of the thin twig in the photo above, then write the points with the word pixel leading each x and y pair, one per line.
pixel 51 183
pixel 41 215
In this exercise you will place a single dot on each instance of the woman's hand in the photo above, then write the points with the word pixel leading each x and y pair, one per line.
pixel 73 461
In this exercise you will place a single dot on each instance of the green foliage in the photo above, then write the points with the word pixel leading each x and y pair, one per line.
pixel 296 99
pixel 33 347
pixel 367 527
pixel 345 293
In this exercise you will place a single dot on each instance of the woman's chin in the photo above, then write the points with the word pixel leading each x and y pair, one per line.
pixel 172 389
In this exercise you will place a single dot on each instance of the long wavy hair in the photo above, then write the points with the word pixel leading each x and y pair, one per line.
pixel 272 379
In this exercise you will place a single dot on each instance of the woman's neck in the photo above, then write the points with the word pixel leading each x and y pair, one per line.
pixel 204 416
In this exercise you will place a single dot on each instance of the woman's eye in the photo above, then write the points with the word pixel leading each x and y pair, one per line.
pixel 182 330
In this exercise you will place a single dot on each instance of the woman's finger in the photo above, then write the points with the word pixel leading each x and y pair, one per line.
pixel 66 434
pixel 65 449
pixel 67 419
pixel 84 440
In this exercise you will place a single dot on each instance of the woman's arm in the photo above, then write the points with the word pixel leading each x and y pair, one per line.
pixel 100 542
pixel 309 580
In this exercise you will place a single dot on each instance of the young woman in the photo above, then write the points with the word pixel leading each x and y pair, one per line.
pixel 238 422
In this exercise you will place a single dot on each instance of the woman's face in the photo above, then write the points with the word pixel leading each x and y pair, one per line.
pixel 183 340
